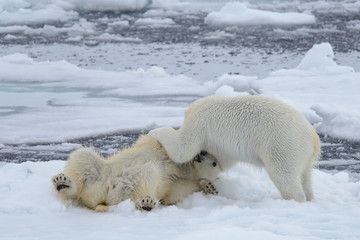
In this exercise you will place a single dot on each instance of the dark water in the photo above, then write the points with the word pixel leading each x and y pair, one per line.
pixel 331 26
pixel 337 154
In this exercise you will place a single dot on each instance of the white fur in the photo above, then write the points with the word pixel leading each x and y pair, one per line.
pixel 255 129
pixel 143 171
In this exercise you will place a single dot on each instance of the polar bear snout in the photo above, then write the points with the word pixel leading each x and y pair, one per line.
pixel 207 166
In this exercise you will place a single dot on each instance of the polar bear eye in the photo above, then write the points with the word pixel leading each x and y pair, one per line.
pixel 214 164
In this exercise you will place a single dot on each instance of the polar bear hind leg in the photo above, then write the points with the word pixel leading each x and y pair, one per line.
pixel 67 190
pixel 84 169
pixel 307 173
pixel 84 165
pixel 307 182
pixel 146 204
pixel 64 186
pixel 286 180
pixel 149 184
pixel 142 185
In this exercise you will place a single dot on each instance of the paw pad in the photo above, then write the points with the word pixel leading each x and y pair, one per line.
pixel 208 187
pixel 146 204
pixel 60 182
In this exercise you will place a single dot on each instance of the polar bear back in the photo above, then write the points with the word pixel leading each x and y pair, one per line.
pixel 255 125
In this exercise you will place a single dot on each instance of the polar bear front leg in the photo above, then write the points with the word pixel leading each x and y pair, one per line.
pixel 180 145
pixel 169 139
pixel 146 204
pixel 208 187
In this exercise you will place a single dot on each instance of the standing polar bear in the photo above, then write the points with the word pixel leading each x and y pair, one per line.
pixel 255 129
pixel 143 173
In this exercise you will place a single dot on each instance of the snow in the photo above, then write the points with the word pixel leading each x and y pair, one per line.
pixel 169 4
pixel 52 11
pixel 15 14
pixel 237 13
pixel 52 101
pixel 248 206
pixel 325 92
pixel 155 22
pixel 61 17
pixel 44 99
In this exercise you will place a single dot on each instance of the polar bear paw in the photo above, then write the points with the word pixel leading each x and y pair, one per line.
pixel 61 182
pixel 208 187
pixel 146 204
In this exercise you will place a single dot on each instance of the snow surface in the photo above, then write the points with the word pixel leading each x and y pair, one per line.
pixel 66 17
pixel 237 13
pixel 248 206
pixel 52 101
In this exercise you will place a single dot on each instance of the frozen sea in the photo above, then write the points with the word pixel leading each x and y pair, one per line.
pixel 100 73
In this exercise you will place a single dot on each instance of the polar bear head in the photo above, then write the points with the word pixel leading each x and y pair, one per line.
pixel 206 166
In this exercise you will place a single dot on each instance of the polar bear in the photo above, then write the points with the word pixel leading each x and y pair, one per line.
pixel 256 129
pixel 143 173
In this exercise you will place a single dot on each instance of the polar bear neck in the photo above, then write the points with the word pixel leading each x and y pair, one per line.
pixel 188 170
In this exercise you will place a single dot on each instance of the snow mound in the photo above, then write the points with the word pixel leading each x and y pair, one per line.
pixel 108 5
pixel 169 4
pixel 55 101
pixel 53 11
pixel 22 12
pixel 237 13
pixel 229 84
pixel 51 99
pixel 154 22
pixel 321 58
pixel 314 87
pixel 338 121
pixel 248 205
pixel 66 75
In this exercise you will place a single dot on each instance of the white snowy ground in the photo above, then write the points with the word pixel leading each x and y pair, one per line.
pixel 248 207
pixel 47 101
pixel 53 101
pixel 60 100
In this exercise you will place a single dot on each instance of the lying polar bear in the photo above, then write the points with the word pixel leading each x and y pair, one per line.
pixel 143 173
pixel 255 129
